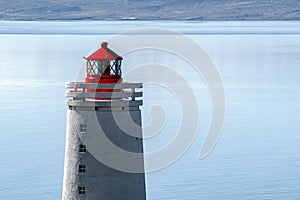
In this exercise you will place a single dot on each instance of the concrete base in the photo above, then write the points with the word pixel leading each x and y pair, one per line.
pixel 99 181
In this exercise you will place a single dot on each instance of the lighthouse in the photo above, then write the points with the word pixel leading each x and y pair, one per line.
pixel 103 127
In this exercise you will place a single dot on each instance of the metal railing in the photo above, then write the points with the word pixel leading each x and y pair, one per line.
pixel 89 91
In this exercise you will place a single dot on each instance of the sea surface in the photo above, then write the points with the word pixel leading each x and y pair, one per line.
pixel 256 157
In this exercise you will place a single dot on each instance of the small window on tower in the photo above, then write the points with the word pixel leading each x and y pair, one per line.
pixel 82 128
pixel 81 190
pixel 81 168
pixel 82 148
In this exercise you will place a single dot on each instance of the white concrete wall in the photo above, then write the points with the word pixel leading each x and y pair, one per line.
pixel 99 180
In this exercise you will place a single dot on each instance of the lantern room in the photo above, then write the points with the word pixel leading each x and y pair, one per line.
pixel 103 65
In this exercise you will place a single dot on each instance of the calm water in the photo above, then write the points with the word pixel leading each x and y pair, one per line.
pixel 257 156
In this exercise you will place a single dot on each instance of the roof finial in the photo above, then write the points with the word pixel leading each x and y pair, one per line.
pixel 104 45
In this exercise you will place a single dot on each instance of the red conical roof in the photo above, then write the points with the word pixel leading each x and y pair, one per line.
pixel 104 53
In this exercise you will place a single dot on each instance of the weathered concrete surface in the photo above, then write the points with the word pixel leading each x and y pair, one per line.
pixel 99 180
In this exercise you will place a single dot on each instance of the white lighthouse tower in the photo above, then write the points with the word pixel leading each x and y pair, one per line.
pixel 93 170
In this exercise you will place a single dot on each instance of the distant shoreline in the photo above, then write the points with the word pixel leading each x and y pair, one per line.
pixel 147 20
pixel 151 10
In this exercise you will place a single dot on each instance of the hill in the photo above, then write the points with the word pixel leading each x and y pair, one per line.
pixel 150 10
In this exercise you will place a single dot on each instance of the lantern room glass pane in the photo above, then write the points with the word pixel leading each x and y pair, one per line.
pixel 104 67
